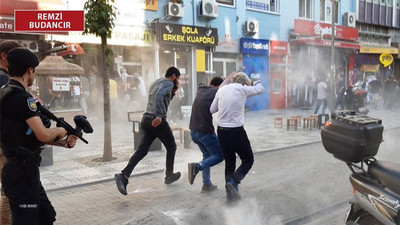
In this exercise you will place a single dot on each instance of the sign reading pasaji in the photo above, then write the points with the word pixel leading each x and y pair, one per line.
pixel 49 20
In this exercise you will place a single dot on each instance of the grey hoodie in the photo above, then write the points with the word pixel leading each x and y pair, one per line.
pixel 160 94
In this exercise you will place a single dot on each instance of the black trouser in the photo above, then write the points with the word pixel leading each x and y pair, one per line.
pixel 235 140
pixel 148 135
pixel 28 200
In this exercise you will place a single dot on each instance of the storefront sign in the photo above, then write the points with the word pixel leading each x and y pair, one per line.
pixel 49 20
pixel 126 37
pixel 61 84
pixel 327 43
pixel 6 24
pixel 310 28
pixel 228 45
pixel 278 48
pixel 254 46
pixel 386 59
pixel 378 50
pixel 176 33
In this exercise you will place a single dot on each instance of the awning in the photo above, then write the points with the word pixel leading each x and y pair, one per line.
pixel 56 65
pixel 326 43
pixel 378 49
pixel 72 49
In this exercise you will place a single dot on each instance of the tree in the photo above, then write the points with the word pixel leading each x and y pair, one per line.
pixel 99 20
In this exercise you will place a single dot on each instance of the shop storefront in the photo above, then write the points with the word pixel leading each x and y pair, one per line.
pixel 256 66
pixel 189 48
pixel 311 46
pixel 369 66
pixel 132 44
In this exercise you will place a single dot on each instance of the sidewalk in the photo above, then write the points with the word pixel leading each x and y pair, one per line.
pixel 83 164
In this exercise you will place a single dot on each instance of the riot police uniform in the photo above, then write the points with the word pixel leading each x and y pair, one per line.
pixel 20 179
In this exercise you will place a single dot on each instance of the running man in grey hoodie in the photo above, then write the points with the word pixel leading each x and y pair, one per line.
pixel 154 125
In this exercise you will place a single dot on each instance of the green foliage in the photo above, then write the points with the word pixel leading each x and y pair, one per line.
pixel 99 17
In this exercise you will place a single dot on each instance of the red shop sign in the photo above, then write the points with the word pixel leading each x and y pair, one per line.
pixel 278 48
pixel 310 28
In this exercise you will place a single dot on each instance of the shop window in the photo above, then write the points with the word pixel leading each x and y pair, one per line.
pixel 326 11
pixel 389 2
pixel 209 60
pixel 274 6
pixel 305 9
pixel 218 68
pixel 276 86
pixel 224 67
pixel 263 5
pixel 226 2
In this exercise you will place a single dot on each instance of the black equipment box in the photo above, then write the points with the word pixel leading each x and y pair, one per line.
pixel 352 137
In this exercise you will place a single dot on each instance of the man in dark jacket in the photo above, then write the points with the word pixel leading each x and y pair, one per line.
pixel 203 134
pixel 154 125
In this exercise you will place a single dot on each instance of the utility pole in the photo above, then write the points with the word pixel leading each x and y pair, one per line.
pixel 333 40
pixel 333 72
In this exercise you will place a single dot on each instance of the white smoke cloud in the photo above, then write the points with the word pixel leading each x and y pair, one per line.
pixel 247 211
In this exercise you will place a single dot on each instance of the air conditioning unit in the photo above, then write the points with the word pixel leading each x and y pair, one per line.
pixel 349 19
pixel 33 46
pixel 209 8
pixel 175 10
pixel 251 27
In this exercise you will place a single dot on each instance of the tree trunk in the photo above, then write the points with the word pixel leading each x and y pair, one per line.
pixel 107 151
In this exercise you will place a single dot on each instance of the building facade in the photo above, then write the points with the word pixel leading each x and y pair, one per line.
pixel 285 43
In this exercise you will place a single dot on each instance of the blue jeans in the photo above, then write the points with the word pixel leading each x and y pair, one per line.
pixel 212 153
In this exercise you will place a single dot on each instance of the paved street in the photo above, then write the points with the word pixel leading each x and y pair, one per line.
pixel 302 185
pixel 83 164
pixel 286 185
pixel 281 186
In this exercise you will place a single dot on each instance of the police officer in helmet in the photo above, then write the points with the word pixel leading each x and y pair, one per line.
pixel 22 135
